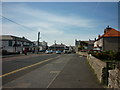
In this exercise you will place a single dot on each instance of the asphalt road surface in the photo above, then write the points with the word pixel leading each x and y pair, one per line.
pixel 11 65
pixel 49 71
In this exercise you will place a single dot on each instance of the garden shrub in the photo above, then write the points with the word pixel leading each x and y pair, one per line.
pixel 107 55
pixel 117 56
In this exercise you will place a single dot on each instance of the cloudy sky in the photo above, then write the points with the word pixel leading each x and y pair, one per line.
pixel 60 21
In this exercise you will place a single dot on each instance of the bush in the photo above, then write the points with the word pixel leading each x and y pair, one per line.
pixel 117 56
pixel 107 55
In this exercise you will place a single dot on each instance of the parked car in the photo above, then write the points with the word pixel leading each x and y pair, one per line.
pixel 48 51
pixel 58 52
pixel 66 51
pixel 42 50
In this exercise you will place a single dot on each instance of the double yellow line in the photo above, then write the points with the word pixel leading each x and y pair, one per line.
pixel 26 67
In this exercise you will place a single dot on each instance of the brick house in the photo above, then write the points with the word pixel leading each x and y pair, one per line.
pixel 110 40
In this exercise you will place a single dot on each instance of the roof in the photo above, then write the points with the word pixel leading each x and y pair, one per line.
pixel 89 42
pixel 6 37
pixel 111 33
pixel 10 37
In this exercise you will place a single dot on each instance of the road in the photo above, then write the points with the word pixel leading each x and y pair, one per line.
pixel 49 71
pixel 10 65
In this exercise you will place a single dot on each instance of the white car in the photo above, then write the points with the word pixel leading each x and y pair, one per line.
pixel 58 52
pixel 48 51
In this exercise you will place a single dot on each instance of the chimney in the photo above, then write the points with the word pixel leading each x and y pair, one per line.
pixel 75 39
pixel 107 29
pixel 99 36
pixel 95 39
pixel 23 37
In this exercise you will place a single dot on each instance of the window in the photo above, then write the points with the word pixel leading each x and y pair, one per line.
pixel 10 43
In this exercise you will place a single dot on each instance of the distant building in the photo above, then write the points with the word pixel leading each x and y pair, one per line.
pixel 42 45
pixel 110 40
pixel 77 45
pixel 15 44
pixel 60 47
pixel 89 45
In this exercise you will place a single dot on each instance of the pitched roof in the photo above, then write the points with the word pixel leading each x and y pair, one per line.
pixel 10 37
pixel 111 33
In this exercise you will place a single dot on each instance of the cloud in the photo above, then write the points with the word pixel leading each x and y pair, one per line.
pixel 53 31
pixel 53 25
pixel 51 17
pixel 45 28
pixel 12 29
pixel 56 19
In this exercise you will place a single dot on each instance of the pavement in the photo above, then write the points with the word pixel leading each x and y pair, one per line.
pixel 67 71
pixel 76 74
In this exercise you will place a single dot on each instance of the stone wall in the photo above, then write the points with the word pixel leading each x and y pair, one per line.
pixel 97 65
pixel 114 78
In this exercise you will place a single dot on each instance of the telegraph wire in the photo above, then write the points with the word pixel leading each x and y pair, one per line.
pixel 20 24
pixel 16 22
pixel 25 27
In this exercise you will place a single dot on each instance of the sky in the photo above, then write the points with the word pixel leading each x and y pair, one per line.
pixel 60 21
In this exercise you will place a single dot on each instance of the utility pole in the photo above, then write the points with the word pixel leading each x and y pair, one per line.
pixel 38 41
pixel 15 44
pixel 55 45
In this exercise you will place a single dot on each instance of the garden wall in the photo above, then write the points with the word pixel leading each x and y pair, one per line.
pixel 97 65
pixel 114 78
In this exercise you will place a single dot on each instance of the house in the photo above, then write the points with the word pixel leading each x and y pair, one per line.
pixel 110 40
pixel 84 45
pixel 15 44
pixel 42 45
pixel 90 45
pixel 60 47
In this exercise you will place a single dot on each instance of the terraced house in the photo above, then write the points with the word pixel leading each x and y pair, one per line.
pixel 110 40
